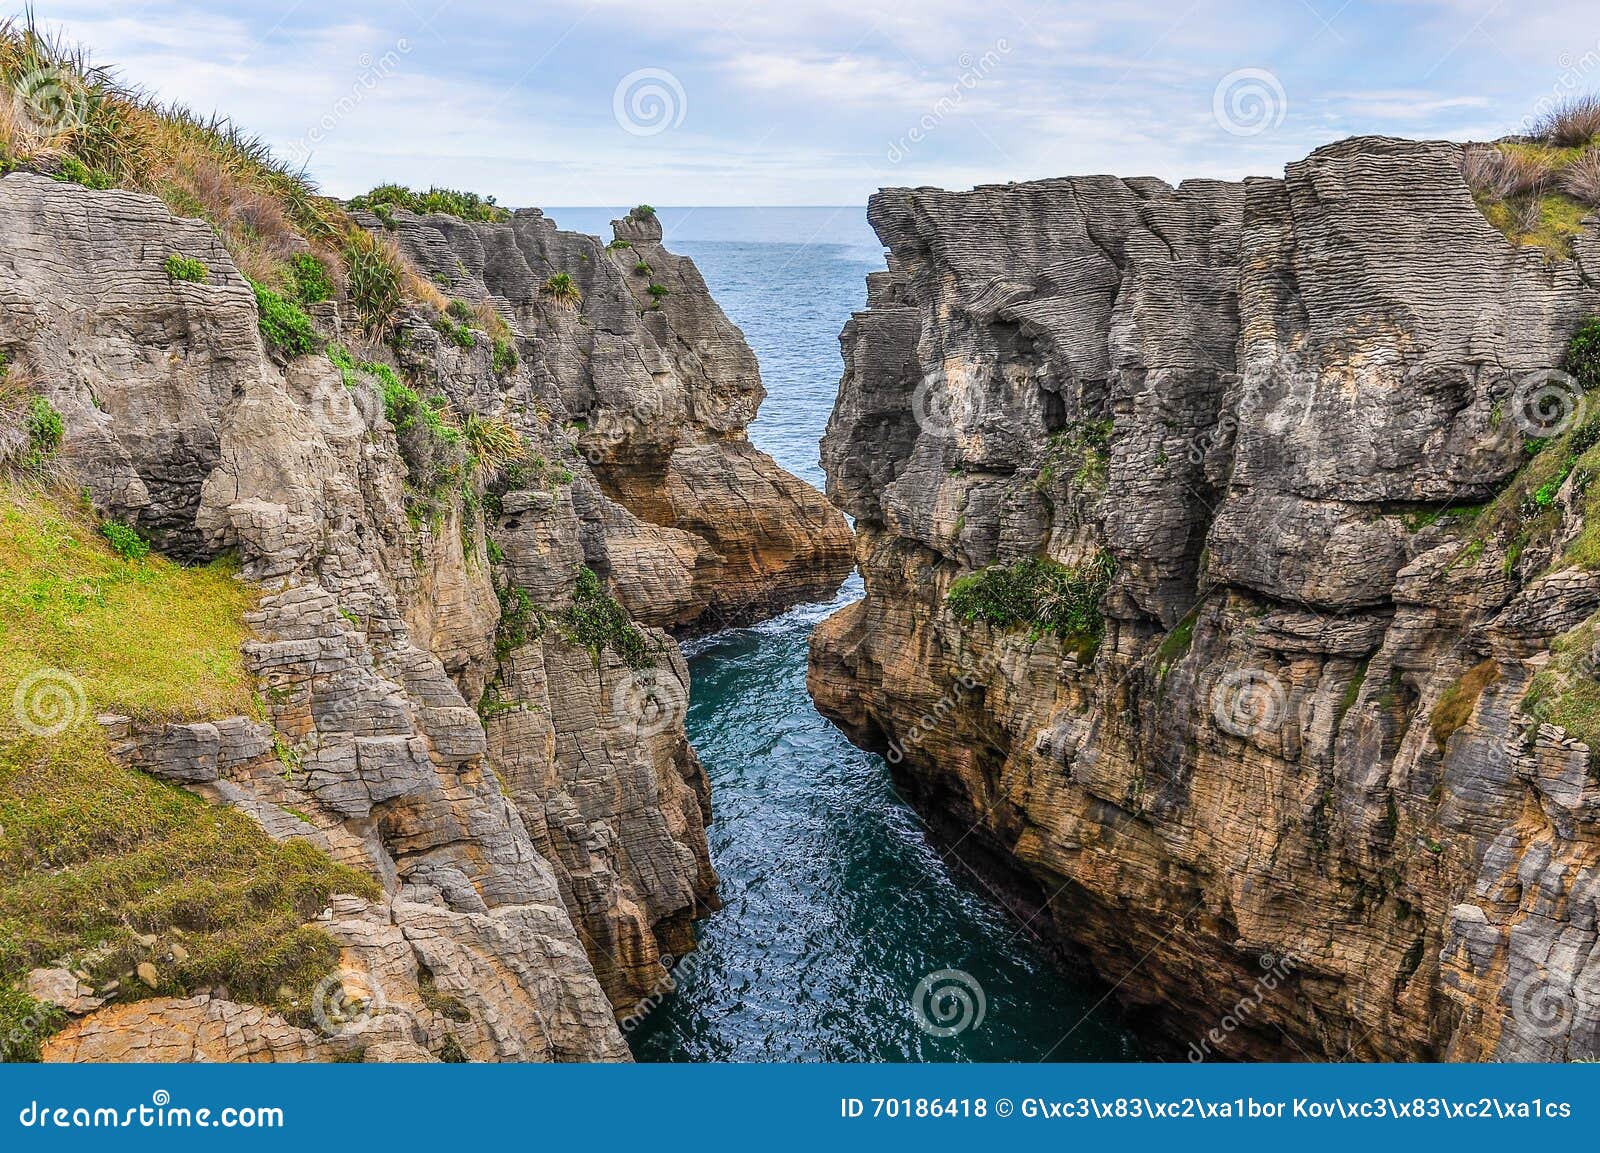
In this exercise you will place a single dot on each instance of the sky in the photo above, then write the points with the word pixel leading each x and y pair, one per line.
pixel 615 102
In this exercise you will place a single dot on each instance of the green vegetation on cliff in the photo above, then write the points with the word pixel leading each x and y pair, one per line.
pixel 449 201
pixel 1537 190
pixel 1039 595
pixel 95 858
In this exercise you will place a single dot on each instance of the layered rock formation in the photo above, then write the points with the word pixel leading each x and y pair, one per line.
pixel 432 708
pixel 1297 802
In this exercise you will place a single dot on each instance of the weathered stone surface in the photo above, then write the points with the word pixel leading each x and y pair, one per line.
pixel 1294 381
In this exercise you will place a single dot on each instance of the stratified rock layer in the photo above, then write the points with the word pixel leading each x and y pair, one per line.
pixel 1271 404
pixel 528 800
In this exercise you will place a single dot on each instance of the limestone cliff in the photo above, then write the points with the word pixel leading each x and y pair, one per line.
pixel 451 699
pixel 1311 429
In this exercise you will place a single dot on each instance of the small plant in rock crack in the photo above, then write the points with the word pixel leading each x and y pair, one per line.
pixel 187 270
pixel 596 621
pixel 492 441
pixel 45 428
pixel 561 289
pixel 657 291
pixel 505 357
pixel 1038 595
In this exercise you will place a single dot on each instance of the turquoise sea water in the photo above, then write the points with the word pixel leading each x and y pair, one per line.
pixel 837 907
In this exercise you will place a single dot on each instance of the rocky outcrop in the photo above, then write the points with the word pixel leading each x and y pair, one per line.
pixel 655 387
pixel 450 697
pixel 1292 802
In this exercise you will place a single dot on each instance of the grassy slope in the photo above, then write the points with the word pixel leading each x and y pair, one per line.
pixel 92 854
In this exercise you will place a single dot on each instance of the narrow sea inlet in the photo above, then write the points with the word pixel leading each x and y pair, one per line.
pixel 837 907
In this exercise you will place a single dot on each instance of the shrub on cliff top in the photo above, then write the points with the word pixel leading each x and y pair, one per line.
pixel 448 201
pixel 374 274
pixel 1535 192
pixel 1038 595
pixel 81 124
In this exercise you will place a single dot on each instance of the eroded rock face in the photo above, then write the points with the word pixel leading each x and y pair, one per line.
pixel 655 387
pixel 527 799
pixel 1270 403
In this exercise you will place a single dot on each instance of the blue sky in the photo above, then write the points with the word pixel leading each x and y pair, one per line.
pixel 824 101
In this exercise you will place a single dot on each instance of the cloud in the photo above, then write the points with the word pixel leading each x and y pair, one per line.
pixel 817 101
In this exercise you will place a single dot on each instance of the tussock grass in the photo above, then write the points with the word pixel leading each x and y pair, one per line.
pixel 1536 193
pixel 1538 190
pixel 1581 179
pixel 93 854
pixel 1572 124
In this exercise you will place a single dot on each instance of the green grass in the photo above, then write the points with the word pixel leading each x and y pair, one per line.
pixel 448 201
pixel 1566 693
pixel 1456 703
pixel 1040 596
pixel 284 325
pixel 92 852
pixel 185 269
pixel 125 541
pixel 1176 642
